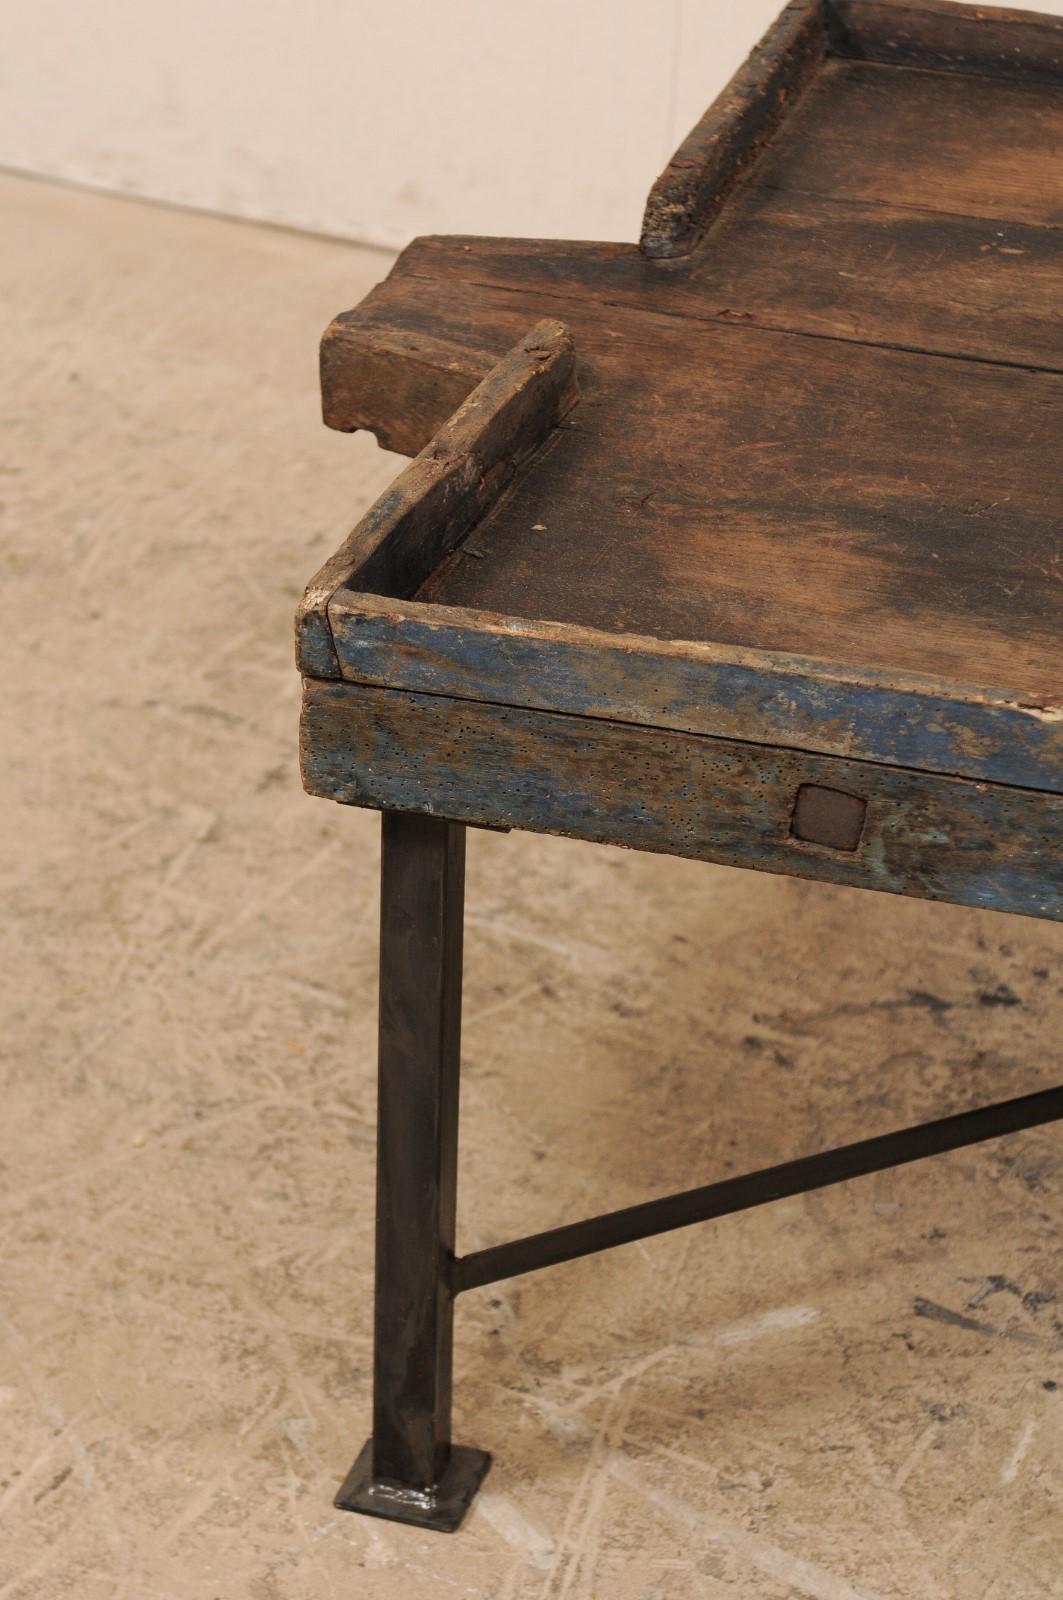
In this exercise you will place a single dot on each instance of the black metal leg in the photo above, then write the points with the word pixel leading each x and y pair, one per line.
pixel 409 1470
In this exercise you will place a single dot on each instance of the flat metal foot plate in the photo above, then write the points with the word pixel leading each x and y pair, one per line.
pixel 441 1508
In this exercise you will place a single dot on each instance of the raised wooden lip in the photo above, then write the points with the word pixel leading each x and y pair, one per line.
pixel 936 35
pixel 447 487
pixel 730 134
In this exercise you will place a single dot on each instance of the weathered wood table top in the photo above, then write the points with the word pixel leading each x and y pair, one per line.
pixel 743 544
pixel 766 504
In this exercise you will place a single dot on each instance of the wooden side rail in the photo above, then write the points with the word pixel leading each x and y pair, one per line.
pixel 689 191
pixel 446 489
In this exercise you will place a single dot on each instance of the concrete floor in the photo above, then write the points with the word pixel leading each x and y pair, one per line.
pixel 849 1396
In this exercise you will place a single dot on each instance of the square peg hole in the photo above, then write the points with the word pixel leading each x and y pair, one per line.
pixel 828 817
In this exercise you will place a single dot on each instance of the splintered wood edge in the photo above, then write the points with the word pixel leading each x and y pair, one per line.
pixel 688 192
pixel 944 37
pixel 447 488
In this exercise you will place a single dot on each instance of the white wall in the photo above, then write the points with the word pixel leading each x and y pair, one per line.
pixel 372 119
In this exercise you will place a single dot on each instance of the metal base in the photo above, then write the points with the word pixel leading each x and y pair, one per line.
pixel 441 1507
pixel 418 1273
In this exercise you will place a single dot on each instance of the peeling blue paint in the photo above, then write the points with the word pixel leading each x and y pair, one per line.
pixel 799 705
pixel 935 837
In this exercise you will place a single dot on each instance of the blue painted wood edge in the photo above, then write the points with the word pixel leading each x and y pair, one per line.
pixel 927 835
pixel 903 721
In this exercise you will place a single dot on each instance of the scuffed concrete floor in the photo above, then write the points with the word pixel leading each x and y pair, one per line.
pixel 850 1396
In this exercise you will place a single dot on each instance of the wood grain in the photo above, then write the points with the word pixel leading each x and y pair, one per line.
pixel 865 506
pixel 878 273
pixel 974 146
pixel 710 799
pixel 868 273
pixel 424 378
